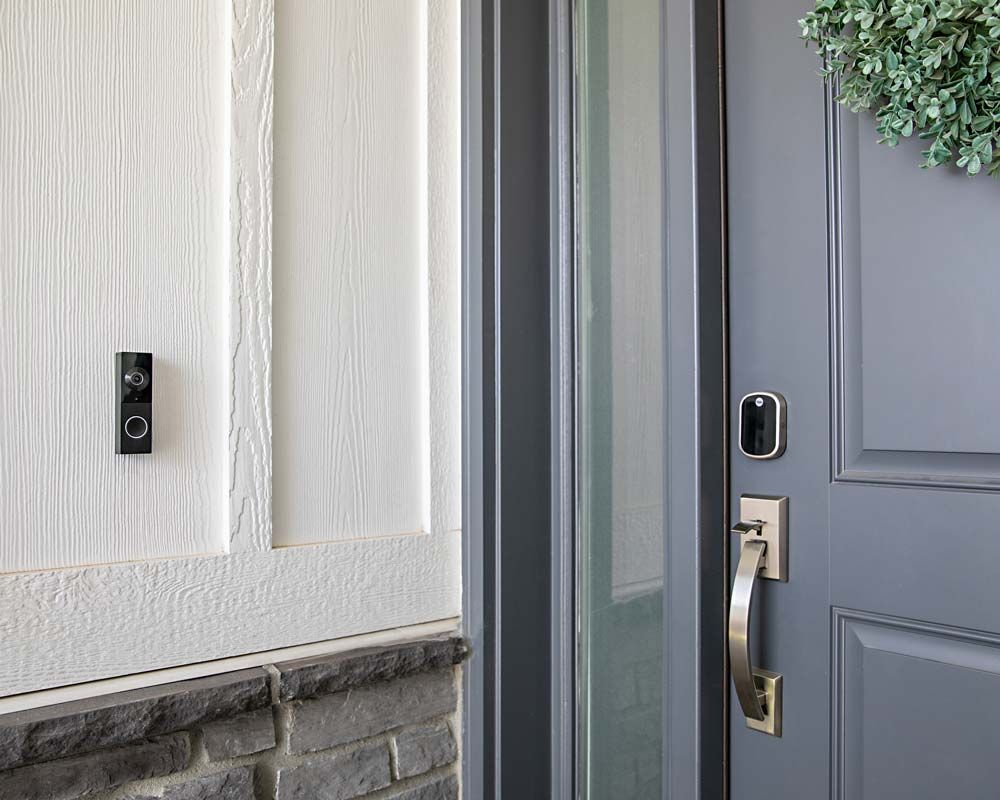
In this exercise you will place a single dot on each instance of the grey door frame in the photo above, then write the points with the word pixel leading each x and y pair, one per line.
pixel 507 423
pixel 519 555
pixel 697 541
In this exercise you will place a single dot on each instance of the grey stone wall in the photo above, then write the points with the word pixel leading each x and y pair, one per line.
pixel 377 723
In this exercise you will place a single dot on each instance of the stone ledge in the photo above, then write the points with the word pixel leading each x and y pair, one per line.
pixel 389 705
pixel 68 729
pixel 313 677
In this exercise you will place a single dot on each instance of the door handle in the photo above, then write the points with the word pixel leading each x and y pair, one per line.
pixel 752 701
pixel 763 554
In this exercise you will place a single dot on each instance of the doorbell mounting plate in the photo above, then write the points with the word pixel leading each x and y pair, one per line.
pixel 762 425
pixel 133 403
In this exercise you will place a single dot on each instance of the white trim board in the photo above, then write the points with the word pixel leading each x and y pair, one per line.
pixel 75 625
pixel 66 694
pixel 250 226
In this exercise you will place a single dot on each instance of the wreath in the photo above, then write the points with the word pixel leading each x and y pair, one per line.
pixel 930 68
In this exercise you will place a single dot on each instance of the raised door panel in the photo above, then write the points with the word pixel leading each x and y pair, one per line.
pixel 905 688
pixel 366 311
pixel 112 220
pixel 915 328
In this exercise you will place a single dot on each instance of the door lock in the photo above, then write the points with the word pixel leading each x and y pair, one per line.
pixel 763 532
pixel 763 423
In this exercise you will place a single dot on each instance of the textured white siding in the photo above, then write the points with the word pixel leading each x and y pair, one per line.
pixel 355 284
pixel 266 196
pixel 112 204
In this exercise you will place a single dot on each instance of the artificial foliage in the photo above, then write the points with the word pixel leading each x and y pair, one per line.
pixel 928 68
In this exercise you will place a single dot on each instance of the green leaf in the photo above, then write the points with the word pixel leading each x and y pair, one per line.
pixel 929 68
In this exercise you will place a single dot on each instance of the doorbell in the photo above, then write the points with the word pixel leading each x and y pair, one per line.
pixel 762 425
pixel 133 403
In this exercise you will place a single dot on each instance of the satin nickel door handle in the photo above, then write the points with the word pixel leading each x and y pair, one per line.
pixel 751 560
pixel 763 533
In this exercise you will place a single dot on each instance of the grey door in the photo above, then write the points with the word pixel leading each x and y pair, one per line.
pixel 866 291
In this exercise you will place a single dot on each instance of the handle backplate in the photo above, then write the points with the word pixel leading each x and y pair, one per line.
pixel 768 684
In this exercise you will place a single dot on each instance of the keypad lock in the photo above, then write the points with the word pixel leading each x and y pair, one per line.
pixel 762 425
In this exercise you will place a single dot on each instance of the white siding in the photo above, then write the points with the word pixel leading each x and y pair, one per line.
pixel 266 196
pixel 112 203
pixel 366 269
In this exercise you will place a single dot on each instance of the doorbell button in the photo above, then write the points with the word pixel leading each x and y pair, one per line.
pixel 762 425
pixel 136 427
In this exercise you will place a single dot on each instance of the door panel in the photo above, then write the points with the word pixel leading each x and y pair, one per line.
pixel 923 554
pixel 873 315
pixel 881 662
pixel 907 410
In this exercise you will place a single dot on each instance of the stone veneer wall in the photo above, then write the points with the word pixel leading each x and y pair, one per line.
pixel 377 723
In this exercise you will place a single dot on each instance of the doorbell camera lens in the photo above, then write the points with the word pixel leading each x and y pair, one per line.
pixel 137 378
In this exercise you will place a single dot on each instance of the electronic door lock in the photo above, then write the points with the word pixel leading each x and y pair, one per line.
pixel 763 425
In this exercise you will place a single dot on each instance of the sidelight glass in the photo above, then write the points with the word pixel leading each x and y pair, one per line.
pixel 620 395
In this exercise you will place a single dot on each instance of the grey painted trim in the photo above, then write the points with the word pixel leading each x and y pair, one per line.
pixel 477 697
pixel 565 571
pixel 507 509
pixel 696 543
pixel 523 368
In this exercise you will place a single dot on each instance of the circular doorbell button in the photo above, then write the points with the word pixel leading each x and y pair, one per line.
pixel 136 427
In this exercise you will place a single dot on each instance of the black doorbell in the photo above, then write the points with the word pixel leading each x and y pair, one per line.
pixel 762 425
pixel 134 403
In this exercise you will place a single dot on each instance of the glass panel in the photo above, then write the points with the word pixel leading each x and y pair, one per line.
pixel 620 438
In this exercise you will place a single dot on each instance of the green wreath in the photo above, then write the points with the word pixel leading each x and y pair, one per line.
pixel 930 68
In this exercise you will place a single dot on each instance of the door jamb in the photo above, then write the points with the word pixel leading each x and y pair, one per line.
pixel 696 552
pixel 520 687
pixel 507 415
pixel 565 615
